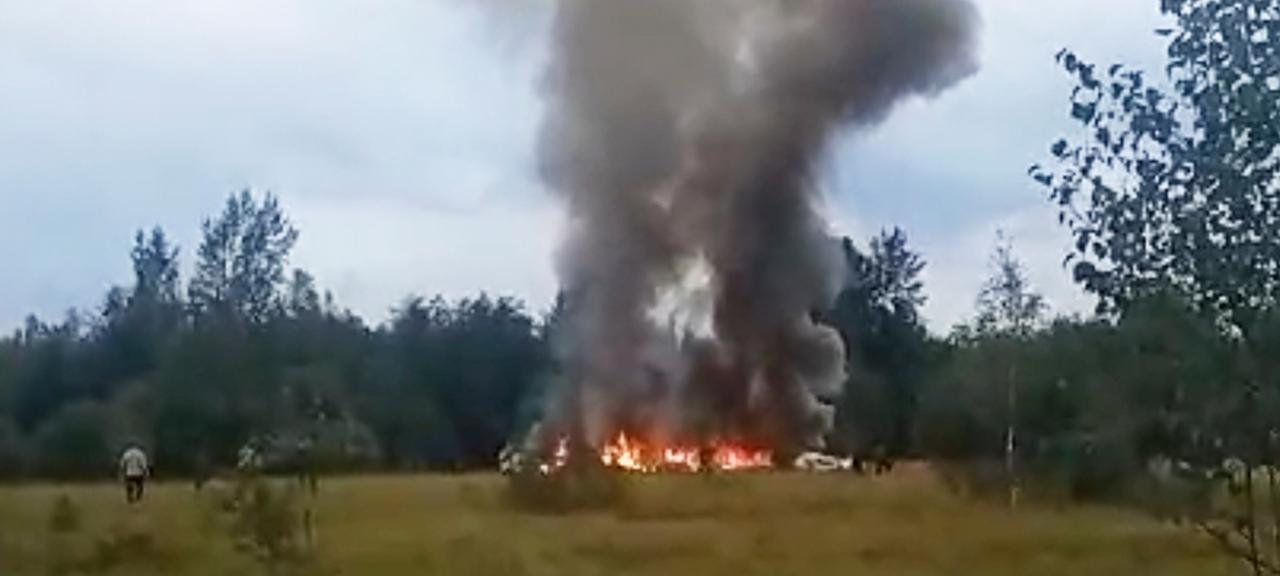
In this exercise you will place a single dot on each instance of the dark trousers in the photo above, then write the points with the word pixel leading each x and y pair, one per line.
pixel 133 486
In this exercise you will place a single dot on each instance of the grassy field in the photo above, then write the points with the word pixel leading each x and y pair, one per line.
pixel 769 524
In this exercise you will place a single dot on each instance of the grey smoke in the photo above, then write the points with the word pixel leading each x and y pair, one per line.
pixel 684 133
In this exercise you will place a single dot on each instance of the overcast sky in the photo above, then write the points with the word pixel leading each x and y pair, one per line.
pixel 400 136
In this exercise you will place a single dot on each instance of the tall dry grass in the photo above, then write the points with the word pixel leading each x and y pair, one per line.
pixel 757 524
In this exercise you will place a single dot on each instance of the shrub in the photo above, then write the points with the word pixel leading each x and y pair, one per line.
pixel 64 523
pixel 11 451
pixel 64 517
pixel 121 548
pixel 267 524
pixel 74 443
pixel 979 478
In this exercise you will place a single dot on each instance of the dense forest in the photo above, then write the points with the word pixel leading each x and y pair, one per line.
pixel 249 349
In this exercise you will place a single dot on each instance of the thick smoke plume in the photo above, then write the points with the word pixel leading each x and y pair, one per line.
pixel 683 136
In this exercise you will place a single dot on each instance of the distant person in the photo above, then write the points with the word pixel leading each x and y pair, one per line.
pixel 248 467
pixel 304 456
pixel 134 470
pixel 249 460
pixel 882 462
pixel 202 469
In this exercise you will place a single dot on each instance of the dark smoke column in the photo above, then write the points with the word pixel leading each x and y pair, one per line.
pixel 683 131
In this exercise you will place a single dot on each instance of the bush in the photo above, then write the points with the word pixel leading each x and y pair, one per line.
pixel 11 451
pixel 71 552
pixel 64 518
pixel 1081 467
pixel 266 523
pixel 978 478
pixel 64 523
pixel 74 443
pixel 1066 469
pixel 121 548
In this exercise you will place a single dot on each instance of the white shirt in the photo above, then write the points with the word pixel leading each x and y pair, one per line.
pixel 133 463
pixel 249 459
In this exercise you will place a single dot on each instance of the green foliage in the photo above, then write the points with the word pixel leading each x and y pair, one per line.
pixel 249 355
pixel 963 413
pixel 267 524
pixel 12 450
pixel 1097 402
pixel 1173 189
pixel 48 370
pixel 140 322
pixel 303 301
pixel 877 315
pixel 240 265
pixel 75 442
pixel 1172 186
pixel 1007 304
pixel 453 380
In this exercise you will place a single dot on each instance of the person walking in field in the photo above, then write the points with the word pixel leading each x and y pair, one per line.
pixel 134 470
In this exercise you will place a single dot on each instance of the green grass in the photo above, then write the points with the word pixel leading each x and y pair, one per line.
pixel 767 524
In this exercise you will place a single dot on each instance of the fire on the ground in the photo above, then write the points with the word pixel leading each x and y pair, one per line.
pixel 633 455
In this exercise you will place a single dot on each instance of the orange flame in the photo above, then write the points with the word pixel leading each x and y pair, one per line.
pixel 632 455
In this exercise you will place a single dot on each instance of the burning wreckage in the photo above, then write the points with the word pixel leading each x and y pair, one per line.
pixel 682 136
pixel 624 453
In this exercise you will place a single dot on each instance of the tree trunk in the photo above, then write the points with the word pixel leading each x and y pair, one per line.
pixel 1275 514
pixel 1011 436
pixel 1251 517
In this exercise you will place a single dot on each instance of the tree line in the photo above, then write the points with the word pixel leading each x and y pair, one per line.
pixel 249 348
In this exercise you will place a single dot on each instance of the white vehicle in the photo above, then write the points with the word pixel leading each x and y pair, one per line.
pixel 511 460
pixel 819 462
